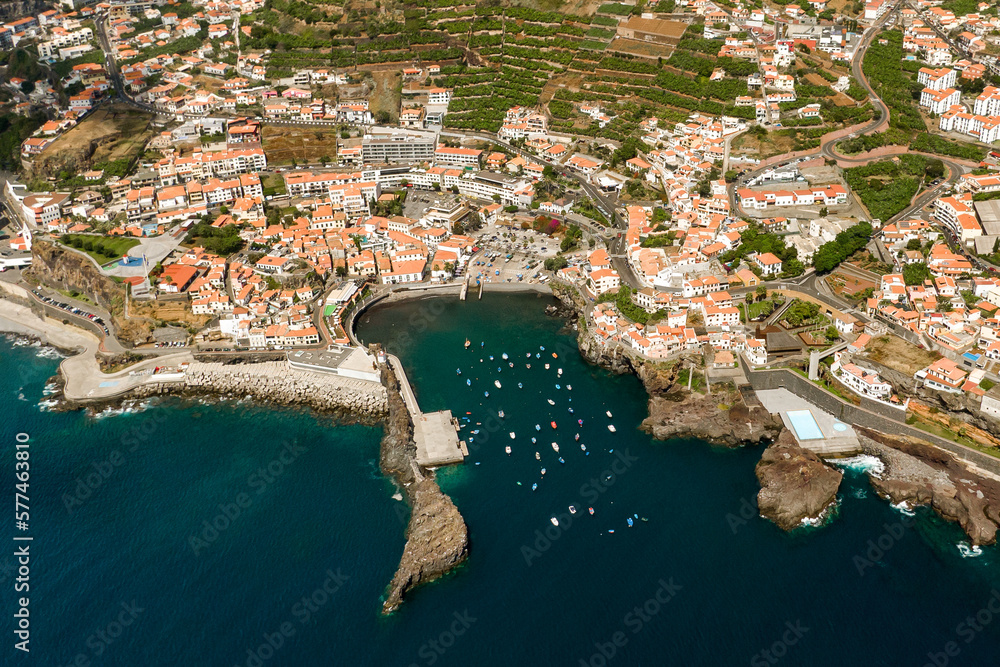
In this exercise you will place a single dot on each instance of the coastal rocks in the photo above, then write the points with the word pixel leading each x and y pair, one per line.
pixel 56 266
pixel 795 483
pixel 437 538
pixel 274 382
pixel 615 360
pixel 919 474
pixel 721 418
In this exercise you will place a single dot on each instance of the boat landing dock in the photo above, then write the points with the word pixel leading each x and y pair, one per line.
pixel 814 429
pixel 435 433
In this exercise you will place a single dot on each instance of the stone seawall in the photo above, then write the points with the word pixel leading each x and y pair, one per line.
pixel 275 382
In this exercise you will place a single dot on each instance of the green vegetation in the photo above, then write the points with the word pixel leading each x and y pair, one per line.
pixel 572 238
pixel 556 263
pixel 829 255
pixel 931 143
pixel 658 241
pixel 886 187
pixel 883 69
pixel 754 240
pixel 222 241
pixel 103 249
pixel 623 300
pixel 916 273
pixel 802 313
pixel 13 130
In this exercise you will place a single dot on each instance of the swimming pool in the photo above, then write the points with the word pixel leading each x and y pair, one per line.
pixel 804 424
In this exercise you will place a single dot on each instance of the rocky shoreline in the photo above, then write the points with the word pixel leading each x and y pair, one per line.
pixel 437 539
pixel 796 485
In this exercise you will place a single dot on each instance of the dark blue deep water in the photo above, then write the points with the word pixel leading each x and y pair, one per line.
pixel 197 534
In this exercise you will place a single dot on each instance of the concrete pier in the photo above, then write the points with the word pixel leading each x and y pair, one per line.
pixel 435 433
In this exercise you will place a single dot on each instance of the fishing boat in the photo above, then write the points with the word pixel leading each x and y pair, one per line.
pixel 501 414
pixel 491 357
pixel 467 343
pixel 543 471
pixel 520 386
pixel 486 394
pixel 572 509
pixel 559 372
pixel 482 345
pixel 529 355
pixel 508 450
pixel 555 446
pixel 608 413
pixel 611 427
pixel 569 387
pixel 458 371
pixel 558 387
pixel 538 457
pixel 541 347
pixel 534 487
pixel 561 460
pixel 533 441
pixel 578 437
pixel 504 355
pixel 570 410
pixel 511 364
pixel 546 367
pixel 497 384
pixel 537 356
pixel 591 510
pixel 583 447
pixel 629 522
pixel 468 383
pixel 528 365
pixel 512 436
pixel 555 356
pixel 555 521
pixel 538 427
pixel 553 425
pixel 580 422
pixel 551 402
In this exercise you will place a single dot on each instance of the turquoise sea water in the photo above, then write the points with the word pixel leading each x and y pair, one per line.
pixel 125 572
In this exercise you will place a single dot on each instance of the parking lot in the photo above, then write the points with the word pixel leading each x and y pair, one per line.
pixel 73 310
pixel 511 255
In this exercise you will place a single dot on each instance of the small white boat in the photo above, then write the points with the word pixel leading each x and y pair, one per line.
pixel 501 414
pixel 534 440
pixel 611 427
pixel 555 446
pixel 520 386
pixel 529 355
pixel 538 427
pixel 572 509
pixel 551 402
pixel 528 365
pixel 538 457
pixel 508 450
pixel 467 343
pixel 569 387
pixel 497 383
pixel 583 448
pixel 543 471
pixel 504 355
pixel 559 372
pixel 534 486
pixel 608 413
pixel 555 521
pixel 546 367
pixel 512 435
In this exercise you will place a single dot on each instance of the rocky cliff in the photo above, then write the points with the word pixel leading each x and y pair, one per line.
pixel 437 538
pixel 921 474
pixel 795 483
pixel 18 9
pixel 64 269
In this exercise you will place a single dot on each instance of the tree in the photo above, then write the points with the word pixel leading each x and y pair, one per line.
pixel 832 333
pixel 823 212
pixel 761 292
pixel 556 263
pixel 914 244
pixel 916 273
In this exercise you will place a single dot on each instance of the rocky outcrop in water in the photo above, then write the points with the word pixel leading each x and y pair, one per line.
pixel 795 483
pixel 437 538
pixel 920 474
pixel 684 414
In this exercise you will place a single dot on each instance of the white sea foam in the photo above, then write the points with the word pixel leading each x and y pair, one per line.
pixel 968 551
pixel 862 463
pixel 903 508
pixel 46 406
pixel 126 408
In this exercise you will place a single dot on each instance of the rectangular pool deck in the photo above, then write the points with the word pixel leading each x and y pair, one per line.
pixel 814 429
